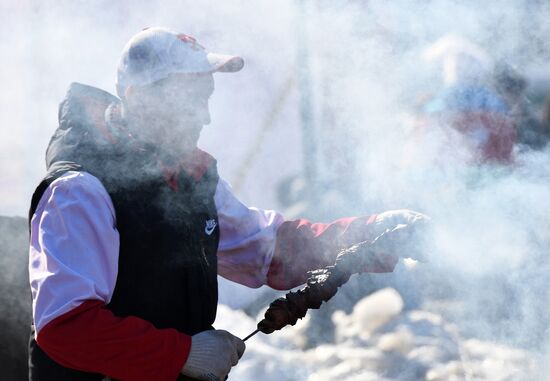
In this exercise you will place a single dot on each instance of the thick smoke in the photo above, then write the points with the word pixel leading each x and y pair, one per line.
pixel 371 72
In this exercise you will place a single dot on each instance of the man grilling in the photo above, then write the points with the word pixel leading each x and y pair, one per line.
pixel 132 224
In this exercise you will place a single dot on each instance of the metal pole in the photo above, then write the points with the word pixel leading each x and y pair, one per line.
pixel 309 138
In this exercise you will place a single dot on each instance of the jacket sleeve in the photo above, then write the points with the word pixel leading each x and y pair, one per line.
pixel 259 247
pixel 302 246
pixel 73 267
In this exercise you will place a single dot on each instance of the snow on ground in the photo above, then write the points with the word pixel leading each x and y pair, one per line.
pixel 378 340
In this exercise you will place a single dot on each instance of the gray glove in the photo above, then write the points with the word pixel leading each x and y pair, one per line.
pixel 212 355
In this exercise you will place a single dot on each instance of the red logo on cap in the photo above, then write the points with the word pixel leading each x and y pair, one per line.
pixel 190 40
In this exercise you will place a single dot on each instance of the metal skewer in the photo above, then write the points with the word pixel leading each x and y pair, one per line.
pixel 252 334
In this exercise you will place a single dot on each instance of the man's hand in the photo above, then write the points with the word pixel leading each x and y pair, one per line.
pixel 400 233
pixel 212 355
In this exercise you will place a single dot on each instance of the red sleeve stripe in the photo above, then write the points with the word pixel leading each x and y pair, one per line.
pixel 91 339
pixel 302 246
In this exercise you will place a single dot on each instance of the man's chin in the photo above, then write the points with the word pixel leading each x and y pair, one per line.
pixel 176 148
pixel 176 144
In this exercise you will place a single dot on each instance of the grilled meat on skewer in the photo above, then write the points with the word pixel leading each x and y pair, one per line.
pixel 321 285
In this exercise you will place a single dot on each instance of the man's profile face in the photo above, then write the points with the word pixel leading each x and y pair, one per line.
pixel 171 112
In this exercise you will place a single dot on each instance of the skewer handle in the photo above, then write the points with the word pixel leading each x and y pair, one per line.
pixel 252 334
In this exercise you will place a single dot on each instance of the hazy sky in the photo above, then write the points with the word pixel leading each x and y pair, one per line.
pixel 363 59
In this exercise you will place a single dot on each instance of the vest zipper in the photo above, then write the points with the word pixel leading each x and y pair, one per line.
pixel 204 253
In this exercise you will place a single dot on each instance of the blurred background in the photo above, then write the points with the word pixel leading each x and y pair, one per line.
pixel 343 108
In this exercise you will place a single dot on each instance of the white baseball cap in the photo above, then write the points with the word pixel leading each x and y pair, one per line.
pixel 155 53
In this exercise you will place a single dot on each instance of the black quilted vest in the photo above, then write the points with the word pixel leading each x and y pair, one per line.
pixel 168 232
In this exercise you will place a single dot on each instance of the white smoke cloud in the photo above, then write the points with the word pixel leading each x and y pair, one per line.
pixel 367 74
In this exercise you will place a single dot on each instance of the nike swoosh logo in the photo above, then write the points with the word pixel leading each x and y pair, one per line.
pixel 210 226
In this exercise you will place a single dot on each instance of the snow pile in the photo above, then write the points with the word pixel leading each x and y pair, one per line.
pixel 378 340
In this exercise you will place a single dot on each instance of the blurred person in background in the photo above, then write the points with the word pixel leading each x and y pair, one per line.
pixel 469 114
pixel 132 224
